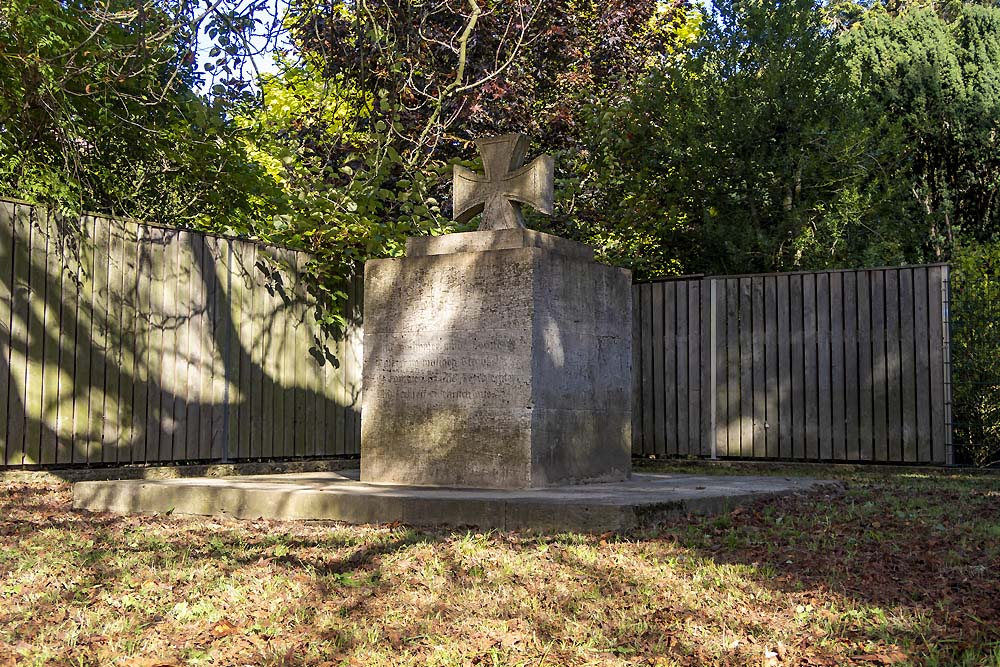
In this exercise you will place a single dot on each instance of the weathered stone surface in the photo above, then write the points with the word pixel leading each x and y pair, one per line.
pixel 499 193
pixel 501 239
pixel 644 501
pixel 497 369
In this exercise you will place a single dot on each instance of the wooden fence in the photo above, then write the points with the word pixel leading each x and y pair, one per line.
pixel 123 343
pixel 827 366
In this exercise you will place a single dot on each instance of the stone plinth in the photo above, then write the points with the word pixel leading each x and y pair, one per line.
pixel 504 366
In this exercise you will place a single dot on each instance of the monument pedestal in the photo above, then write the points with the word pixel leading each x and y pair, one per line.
pixel 496 359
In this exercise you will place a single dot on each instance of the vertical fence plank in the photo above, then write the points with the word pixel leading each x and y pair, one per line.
pixel 144 354
pixel 242 269
pixel 99 335
pixel 260 337
pixel 636 376
pixel 706 378
pixel 311 411
pixel 935 322
pixel 772 416
pixel 217 275
pixel 694 402
pixel 297 351
pixel 733 361
pixel 275 361
pixel 682 294
pixel 82 377
pixel 720 424
pixel 783 389
pixel 164 343
pixel 757 344
pixel 810 366
pixel 51 270
pixel 746 371
pixel 7 384
pixel 922 379
pixel 20 302
pixel 70 393
pixel 866 438
pixel 648 407
pixel 339 382
pixel 824 366
pixel 907 357
pixel 169 305
pixel 185 447
pixel 660 409
pixel 68 275
pixel 128 411
pixel 852 378
pixel 881 373
pixel 111 442
pixel 671 399
pixel 894 412
pixel 797 395
pixel 33 388
pixel 203 350
pixel 225 427
pixel 837 377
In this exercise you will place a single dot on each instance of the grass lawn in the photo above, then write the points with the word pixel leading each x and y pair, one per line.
pixel 903 569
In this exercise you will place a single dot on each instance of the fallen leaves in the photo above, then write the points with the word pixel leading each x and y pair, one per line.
pixel 893 657
pixel 223 628
pixel 362 595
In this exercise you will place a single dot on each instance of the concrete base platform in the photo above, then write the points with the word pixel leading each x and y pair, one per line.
pixel 644 500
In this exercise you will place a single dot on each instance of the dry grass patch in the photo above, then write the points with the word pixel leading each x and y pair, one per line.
pixel 902 569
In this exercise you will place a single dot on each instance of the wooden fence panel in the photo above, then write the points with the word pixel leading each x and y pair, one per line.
pixel 824 366
pixel 129 343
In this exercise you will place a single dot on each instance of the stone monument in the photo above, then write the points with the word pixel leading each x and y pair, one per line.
pixel 499 358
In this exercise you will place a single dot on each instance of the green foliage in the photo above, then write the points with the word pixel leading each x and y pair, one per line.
pixel 975 300
pixel 932 84
pixel 745 155
pixel 99 113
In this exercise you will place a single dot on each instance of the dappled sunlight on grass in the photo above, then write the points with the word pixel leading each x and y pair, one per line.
pixel 900 570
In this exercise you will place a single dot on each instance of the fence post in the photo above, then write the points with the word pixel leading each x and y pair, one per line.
pixel 226 348
pixel 949 444
pixel 708 338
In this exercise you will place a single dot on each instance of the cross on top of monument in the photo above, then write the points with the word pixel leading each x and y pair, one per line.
pixel 506 184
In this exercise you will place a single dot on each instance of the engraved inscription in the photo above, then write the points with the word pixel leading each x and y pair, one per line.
pixel 422 369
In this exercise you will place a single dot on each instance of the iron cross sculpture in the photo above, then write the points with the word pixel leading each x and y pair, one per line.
pixel 499 193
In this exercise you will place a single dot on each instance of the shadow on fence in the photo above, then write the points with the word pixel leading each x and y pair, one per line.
pixel 125 343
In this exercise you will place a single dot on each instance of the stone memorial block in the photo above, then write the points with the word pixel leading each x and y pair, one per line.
pixel 497 359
